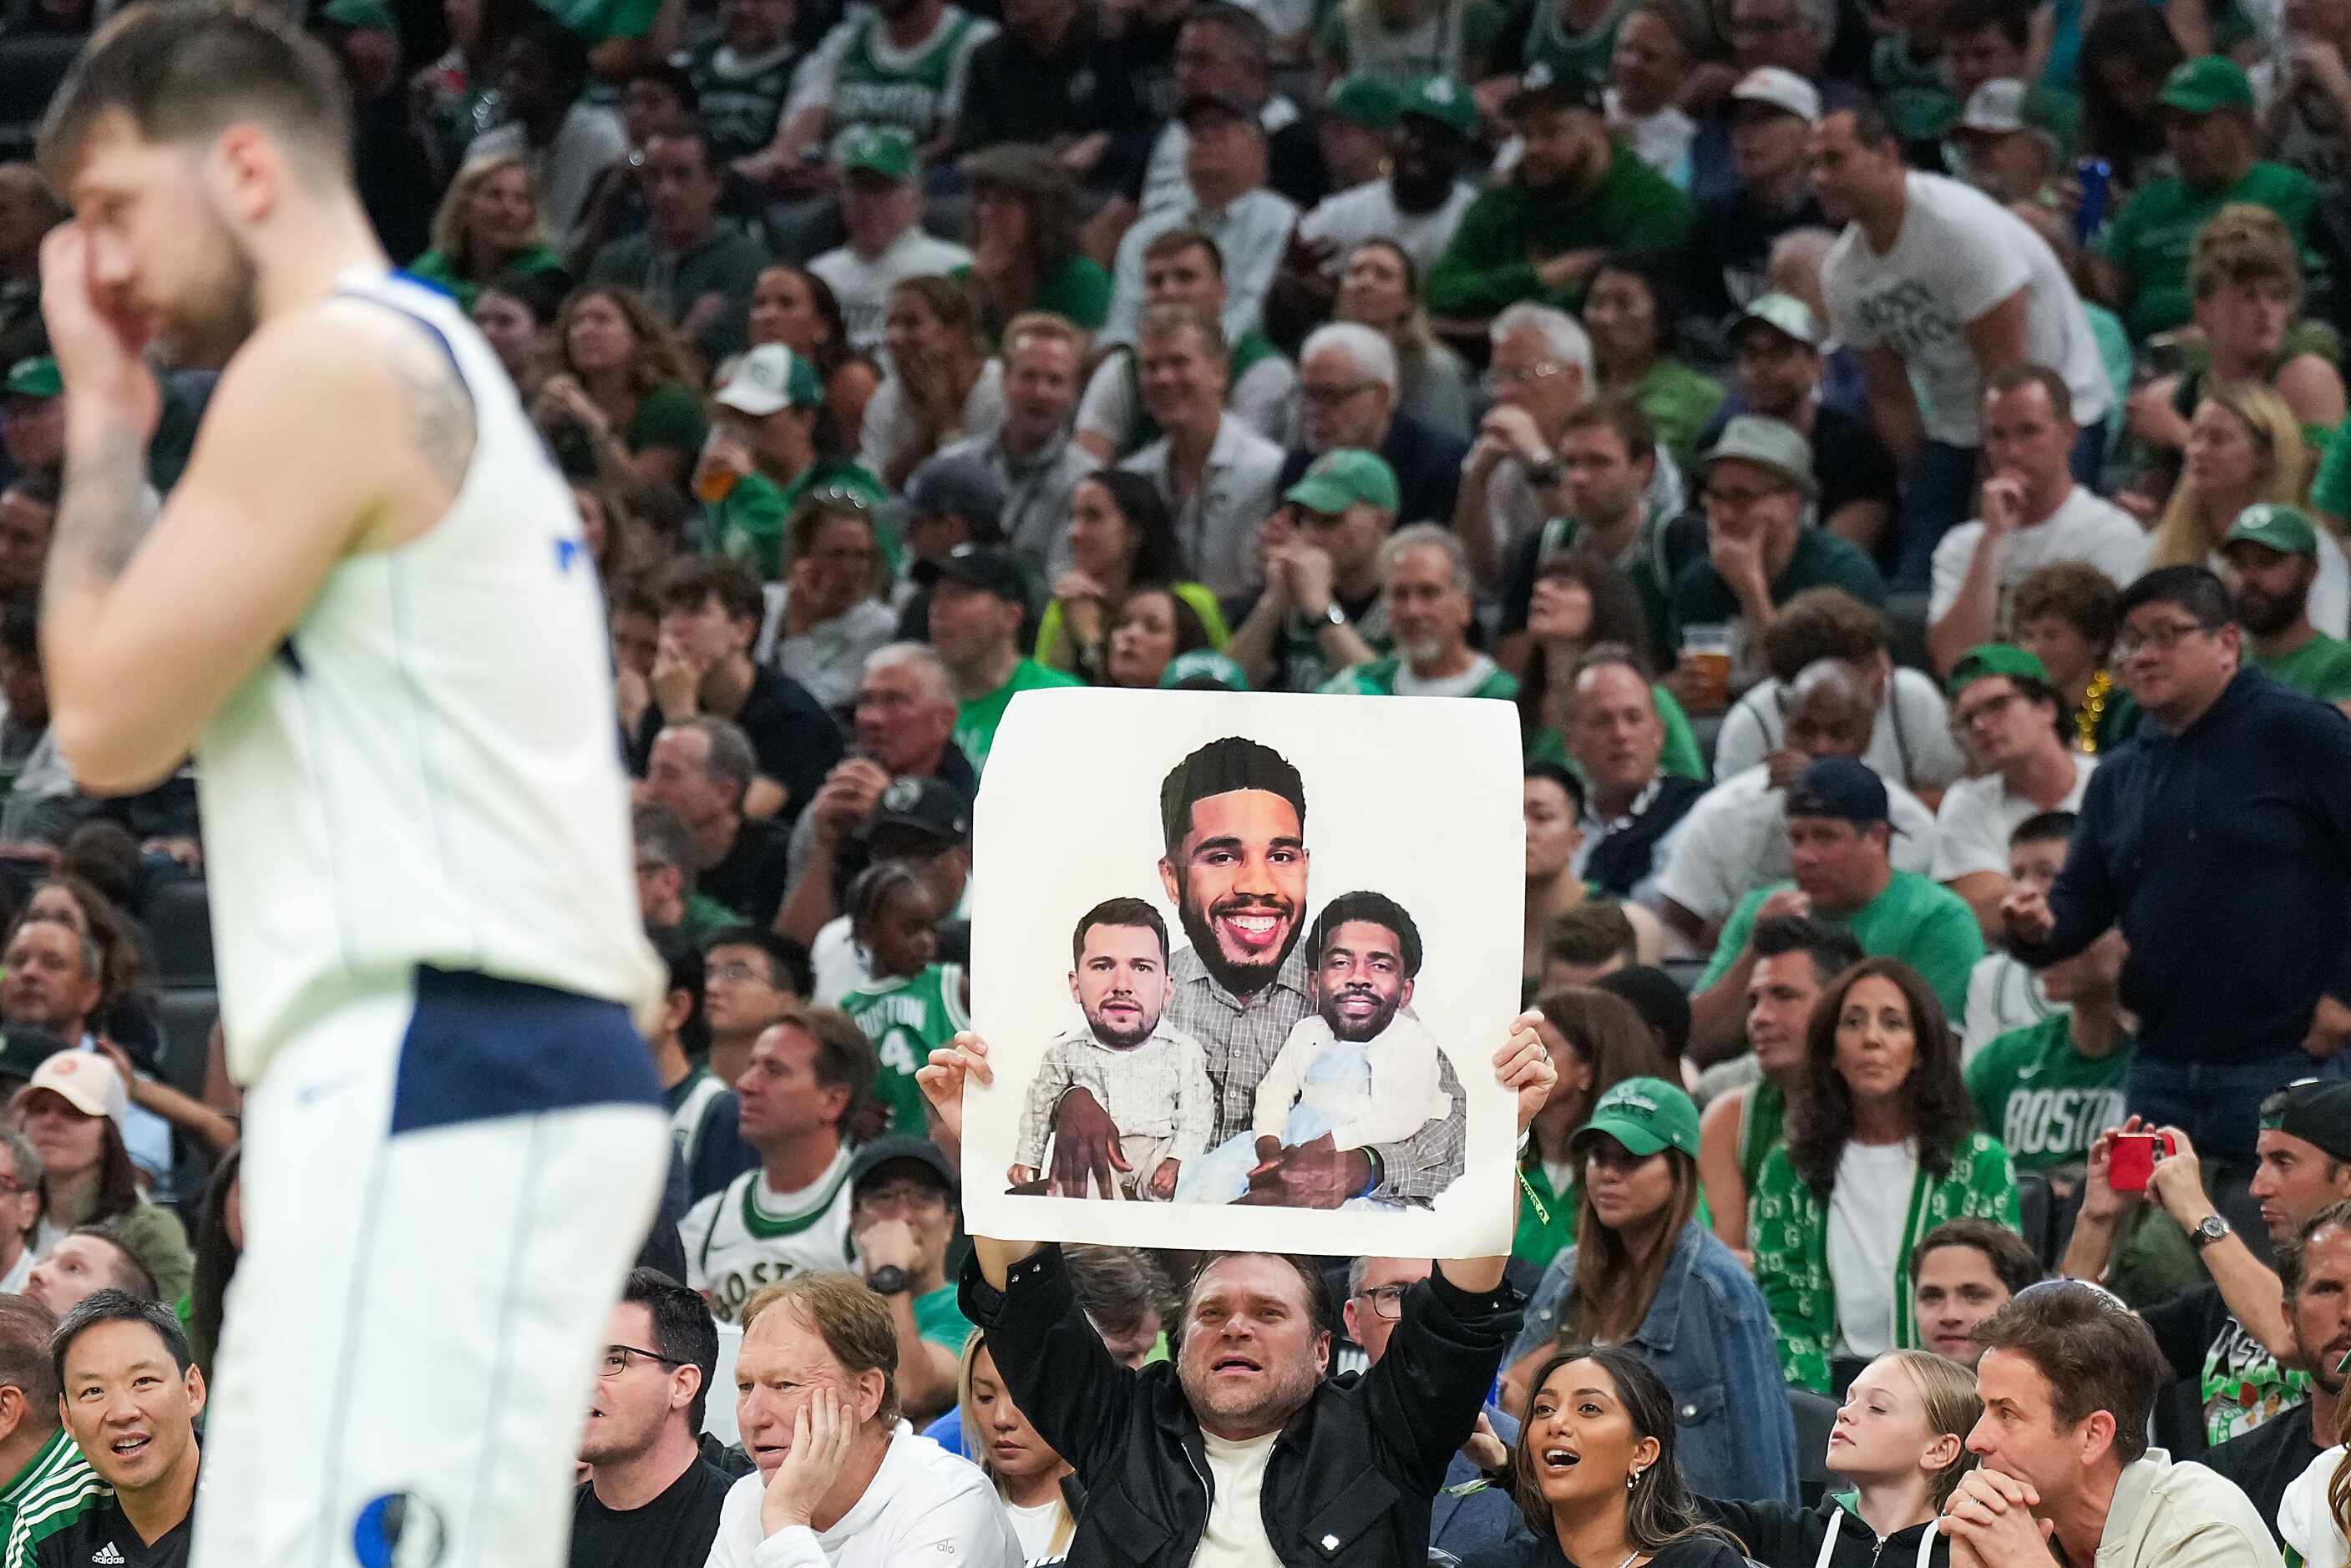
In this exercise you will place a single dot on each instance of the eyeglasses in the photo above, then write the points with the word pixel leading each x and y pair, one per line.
pixel 1989 707
pixel 740 974
pixel 2157 638
pixel 1500 380
pixel 1387 1301
pixel 616 1358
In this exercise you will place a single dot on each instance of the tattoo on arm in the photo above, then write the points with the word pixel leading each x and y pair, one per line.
pixel 105 513
pixel 440 409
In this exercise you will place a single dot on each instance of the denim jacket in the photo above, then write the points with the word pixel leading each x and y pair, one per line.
pixel 1708 1335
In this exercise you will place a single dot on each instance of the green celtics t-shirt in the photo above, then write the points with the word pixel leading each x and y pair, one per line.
pixel 1820 560
pixel 939 1319
pixel 2042 1098
pixel 2150 238
pixel 976 720
pixel 907 1019
pixel 2331 491
pixel 2320 668
pixel 1925 925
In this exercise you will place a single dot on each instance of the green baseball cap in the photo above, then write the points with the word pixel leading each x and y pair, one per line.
pixel 1203 667
pixel 35 378
pixel 2288 530
pixel 2207 85
pixel 1446 101
pixel 1994 659
pixel 1344 478
pixel 882 150
pixel 1366 100
pixel 371 14
pixel 1644 1115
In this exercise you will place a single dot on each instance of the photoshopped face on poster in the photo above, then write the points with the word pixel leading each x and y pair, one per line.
pixel 1242 962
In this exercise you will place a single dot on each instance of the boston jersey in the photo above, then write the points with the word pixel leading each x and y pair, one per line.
pixel 425 774
pixel 746 1236
pixel 907 1020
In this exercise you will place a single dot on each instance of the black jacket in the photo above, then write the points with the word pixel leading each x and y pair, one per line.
pixel 2223 853
pixel 1779 1536
pixel 1351 1477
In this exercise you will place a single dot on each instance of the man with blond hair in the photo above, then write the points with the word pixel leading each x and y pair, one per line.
pixel 842 1481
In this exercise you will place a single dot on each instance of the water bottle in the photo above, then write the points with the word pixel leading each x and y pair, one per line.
pixel 2096 175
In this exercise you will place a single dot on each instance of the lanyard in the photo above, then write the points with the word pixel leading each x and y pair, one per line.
pixel 1837 1523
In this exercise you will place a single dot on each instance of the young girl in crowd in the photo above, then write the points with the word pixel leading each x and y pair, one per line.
pixel 915 1003
pixel 1597 1475
pixel 1027 1471
pixel 1881 1149
pixel 1648 1274
pixel 1900 1443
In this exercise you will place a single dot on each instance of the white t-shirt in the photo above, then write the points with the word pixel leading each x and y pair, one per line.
pixel 1977 816
pixel 1958 254
pixel 924 1505
pixel 836 964
pixel 891 427
pixel 1867 1208
pixel 1235 1535
pixel 1369 212
pixel 1662 141
pixel 1035 1526
pixel 2084 528
pixel 863 286
pixel 1909 744
pixel 1735 840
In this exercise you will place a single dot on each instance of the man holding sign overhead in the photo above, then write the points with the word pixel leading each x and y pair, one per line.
pixel 1243 1450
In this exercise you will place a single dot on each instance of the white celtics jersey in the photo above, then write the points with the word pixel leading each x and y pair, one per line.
pixel 747 1235
pixel 426 773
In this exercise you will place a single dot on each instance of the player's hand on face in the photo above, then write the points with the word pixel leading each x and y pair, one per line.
pixel 1522 1065
pixel 942 1078
pixel 98 336
pixel 821 1434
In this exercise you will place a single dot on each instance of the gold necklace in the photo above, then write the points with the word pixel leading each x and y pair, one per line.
pixel 2093 709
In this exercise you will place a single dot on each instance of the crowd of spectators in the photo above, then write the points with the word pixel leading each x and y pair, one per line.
pixel 1895 462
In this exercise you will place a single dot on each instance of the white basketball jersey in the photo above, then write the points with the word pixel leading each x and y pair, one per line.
pixel 745 1237
pixel 427 771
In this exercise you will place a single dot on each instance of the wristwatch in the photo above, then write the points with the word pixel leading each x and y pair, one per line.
pixel 2208 1230
pixel 889 1280
pixel 1542 475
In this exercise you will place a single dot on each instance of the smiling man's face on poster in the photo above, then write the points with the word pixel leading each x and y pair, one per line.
pixel 1239 883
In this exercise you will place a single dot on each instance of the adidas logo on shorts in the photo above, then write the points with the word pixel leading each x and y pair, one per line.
pixel 108 1552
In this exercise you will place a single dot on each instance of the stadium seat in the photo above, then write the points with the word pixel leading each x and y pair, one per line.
pixel 179 923
pixel 184 1015
pixel 1814 1414
pixel 2033 1203
pixel 31 66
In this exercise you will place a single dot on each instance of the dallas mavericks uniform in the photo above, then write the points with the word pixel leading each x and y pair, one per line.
pixel 747 1235
pixel 417 841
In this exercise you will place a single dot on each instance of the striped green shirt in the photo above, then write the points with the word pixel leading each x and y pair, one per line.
pixel 48 1494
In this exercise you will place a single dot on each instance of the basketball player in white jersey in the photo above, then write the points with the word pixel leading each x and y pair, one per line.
pixel 367 610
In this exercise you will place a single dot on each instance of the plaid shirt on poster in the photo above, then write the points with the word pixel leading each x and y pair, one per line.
pixel 1159 1088
pixel 1242 1038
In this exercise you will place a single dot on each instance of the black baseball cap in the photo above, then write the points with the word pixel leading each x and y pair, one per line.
pixel 1841 788
pixel 24 1048
pixel 930 806
pixel 885 1151
pixel 988 569
pixel 960 484
pixel 2317 1112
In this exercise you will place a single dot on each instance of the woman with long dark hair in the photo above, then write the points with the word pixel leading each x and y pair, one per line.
pixel 87 1177
pixel 1597 1475
pixel 622 401
pixel 1881 1149
pixel 2128 52
pixel 1122 538
pixel 1647 1273
pixel 1025 1471
pixel 1597 1041
pixel 1632 312
pixel 1581 602
pixel 1025 249
pixel 793 307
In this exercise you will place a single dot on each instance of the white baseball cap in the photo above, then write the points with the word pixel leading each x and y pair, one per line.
pixel 1782 89
pixel 1996 108
pixel 84 1080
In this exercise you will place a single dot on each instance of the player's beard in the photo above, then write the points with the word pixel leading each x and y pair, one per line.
pixel 1123 1039
pixel 1242 979
pixel 218 307
pixel 1369 1029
